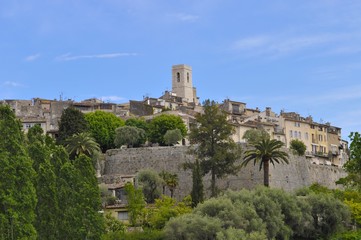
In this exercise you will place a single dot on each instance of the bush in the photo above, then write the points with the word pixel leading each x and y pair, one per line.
pixel 298 147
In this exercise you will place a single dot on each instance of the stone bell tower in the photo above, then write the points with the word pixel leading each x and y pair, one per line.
pixel 182 82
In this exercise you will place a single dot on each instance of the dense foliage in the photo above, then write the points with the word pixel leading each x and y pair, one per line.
pixel 159 125
pixel 130 136
pixel 353 166
pixel 102 126
pixel 43 194
pixel 298 147
pixel 72 122
pixel 253 136
pixel 172 137
pixel 139 123
pixel 17 176
pixel 150 183
pixel 262 214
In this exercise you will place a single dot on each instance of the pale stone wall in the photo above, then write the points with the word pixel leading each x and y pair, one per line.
pixel 299 173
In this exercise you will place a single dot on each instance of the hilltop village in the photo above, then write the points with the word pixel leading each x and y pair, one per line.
pixel 114 183
pixel 323 141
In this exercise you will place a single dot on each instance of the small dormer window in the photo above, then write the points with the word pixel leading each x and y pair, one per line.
pixel 178 77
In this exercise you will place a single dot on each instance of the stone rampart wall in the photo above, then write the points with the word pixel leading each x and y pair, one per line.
pixel 299 173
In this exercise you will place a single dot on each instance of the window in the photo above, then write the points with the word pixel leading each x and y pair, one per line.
pixel 291 133
pixel 314 148
pixel 295 134
pixel 178 77
pixel 187 76
pixel 235 108
pixel 123 216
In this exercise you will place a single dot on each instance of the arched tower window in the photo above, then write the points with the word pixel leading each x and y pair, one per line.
pixel 178 77
pixel 188 77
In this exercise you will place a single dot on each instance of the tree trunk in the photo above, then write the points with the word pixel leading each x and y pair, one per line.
pixel 266 173
pixel 171 192
pixel 213 185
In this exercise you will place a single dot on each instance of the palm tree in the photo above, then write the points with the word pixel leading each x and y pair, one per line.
pixel 172 183
pixel 81 143
pixel 264 152
pixel 164 176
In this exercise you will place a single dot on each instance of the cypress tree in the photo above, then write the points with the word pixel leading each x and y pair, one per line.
pixel 17 191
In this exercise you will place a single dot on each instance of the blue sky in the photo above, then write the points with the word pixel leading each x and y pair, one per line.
pixel 302 56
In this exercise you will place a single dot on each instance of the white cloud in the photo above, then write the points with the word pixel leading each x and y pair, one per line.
pixel 281 45
pixel 12 84
pixel 184 17
pixel 32 57
pixel 251 43
pixel 112 98
pixel 70 57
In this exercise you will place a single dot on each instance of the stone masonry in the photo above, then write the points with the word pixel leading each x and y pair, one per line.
pixel 299 173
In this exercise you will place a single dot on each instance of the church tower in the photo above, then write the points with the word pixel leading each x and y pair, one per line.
pixel 182 82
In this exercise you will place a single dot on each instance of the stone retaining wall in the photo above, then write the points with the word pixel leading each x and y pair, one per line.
pixel 299 173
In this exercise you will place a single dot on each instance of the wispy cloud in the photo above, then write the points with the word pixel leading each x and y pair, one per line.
pixel 70 57
pixel 32 57
pixel 12 84
pixel 184 17
pixel 281 45
pixel 112 98
pixel 326 97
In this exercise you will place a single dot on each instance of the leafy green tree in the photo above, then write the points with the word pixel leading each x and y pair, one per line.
pixel 17 191
pixel 40 149
pixel 164 209
pixel 255 135
pixel 192 226
pixel 159 125
pixel 298 147
pixel 81 143
pixel 79 200
pixel 102 126
pixel 113 225
pixel 172 137
pixel 215 148
pixel 130 136
pixel 139 123
pixel 136 203
pixel 71 122
pixel 329 215
pixel 265 152
pixel 353 165
pixel 150 183
pixel 47 210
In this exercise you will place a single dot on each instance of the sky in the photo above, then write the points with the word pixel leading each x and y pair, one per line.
pixel 291 55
